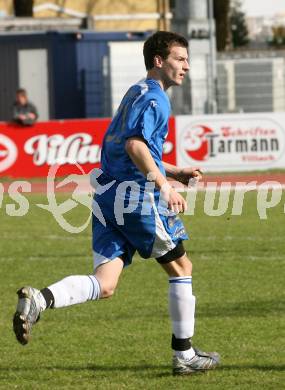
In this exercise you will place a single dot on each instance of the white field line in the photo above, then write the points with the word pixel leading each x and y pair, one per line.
pixel 212 187
pixel 209 186
pixel 85 187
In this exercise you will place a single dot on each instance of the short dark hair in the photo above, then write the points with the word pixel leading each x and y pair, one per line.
pixel 21 91
pixel 160 44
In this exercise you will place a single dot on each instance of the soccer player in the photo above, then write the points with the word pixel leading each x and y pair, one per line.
pixel 134 179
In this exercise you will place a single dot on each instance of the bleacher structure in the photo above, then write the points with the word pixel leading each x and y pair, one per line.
pixel 251 82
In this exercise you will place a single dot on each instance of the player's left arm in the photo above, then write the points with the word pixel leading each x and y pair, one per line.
pixel 183 175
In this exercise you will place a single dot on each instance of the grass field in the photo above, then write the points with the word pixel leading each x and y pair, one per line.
pixel 123 343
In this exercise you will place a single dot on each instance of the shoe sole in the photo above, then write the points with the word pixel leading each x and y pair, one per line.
pixel 21 326
pixel 192 372
pixel 174 373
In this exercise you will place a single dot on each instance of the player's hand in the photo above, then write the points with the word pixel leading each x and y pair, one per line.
pixel 176 203
pixel 31 115
pixel 186 174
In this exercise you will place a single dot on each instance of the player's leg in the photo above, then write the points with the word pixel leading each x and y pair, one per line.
pixel 69 291
pixel 77 289
pixel 181 299
pixel 108 276
pixel 110 253
pixel 186 359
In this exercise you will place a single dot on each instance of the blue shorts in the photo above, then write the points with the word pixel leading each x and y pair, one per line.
pixel 127 221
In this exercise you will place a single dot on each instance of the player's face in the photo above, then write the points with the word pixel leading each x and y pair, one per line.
pixel 175 67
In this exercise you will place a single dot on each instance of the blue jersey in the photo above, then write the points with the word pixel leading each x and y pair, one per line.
pixel 143 112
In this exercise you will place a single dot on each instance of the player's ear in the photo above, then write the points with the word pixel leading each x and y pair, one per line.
pixel 157 61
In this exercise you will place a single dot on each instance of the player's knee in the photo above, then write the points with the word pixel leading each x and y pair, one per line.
pixel 185 268
pixel 179 267
pixel 107 290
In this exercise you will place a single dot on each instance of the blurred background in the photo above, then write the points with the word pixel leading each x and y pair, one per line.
pixel 77 58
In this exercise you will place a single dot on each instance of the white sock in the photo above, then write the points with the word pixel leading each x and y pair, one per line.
pixel 182 310
pixel 75 289
pixel 188 354
pixel 43 304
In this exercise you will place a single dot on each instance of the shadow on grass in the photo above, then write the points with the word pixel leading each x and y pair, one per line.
pixel 90 367
pixel 138 368
pixel 228 367
pixel 256 308
pixel 95 370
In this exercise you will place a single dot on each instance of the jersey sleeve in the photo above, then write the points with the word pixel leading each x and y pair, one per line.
pixel 143 120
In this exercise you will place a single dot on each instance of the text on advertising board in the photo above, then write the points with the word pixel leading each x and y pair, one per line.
pixel 31 151
pixel 235 143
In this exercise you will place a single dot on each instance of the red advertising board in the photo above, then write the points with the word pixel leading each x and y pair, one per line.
pixel 31 151
pixel 232 142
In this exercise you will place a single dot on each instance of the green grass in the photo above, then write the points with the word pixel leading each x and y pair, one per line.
pixel 123 342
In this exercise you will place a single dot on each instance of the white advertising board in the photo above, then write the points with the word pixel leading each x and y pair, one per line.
pixel 231 142
pixel 126 68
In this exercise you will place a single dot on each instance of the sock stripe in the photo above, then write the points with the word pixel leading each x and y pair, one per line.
pixel 181 281
pixel 96 292
pixel 93 287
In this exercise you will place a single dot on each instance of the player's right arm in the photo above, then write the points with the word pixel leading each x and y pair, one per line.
pixel 139 153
